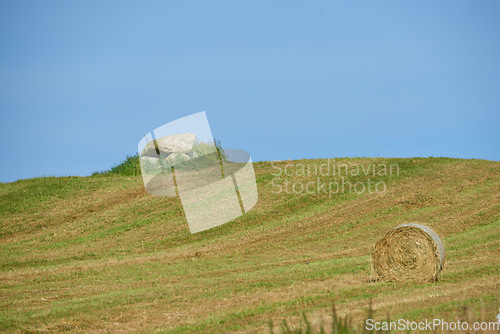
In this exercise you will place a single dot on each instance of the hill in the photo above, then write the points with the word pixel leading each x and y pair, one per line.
pixel 100 254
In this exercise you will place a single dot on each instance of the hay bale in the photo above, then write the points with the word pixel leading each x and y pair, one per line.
pixel 409 252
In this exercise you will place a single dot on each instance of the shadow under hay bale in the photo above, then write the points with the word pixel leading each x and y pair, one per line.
pixel 409 252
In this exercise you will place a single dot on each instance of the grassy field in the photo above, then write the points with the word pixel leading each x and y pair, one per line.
pixel 100 254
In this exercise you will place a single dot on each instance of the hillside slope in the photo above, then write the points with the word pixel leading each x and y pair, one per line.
pixel 100 254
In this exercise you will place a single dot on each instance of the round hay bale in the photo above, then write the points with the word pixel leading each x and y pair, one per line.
pixel 409 252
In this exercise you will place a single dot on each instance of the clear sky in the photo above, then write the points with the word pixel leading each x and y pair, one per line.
pixel 81 82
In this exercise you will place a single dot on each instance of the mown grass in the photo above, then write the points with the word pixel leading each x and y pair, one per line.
pixel 100 254
pixel 344 325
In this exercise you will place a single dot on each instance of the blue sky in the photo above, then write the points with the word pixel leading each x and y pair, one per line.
pixel 82 82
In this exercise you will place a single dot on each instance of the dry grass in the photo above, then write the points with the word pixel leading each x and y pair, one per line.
pixel 99 254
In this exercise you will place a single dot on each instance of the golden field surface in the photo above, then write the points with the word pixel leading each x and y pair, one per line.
pixel 99 254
